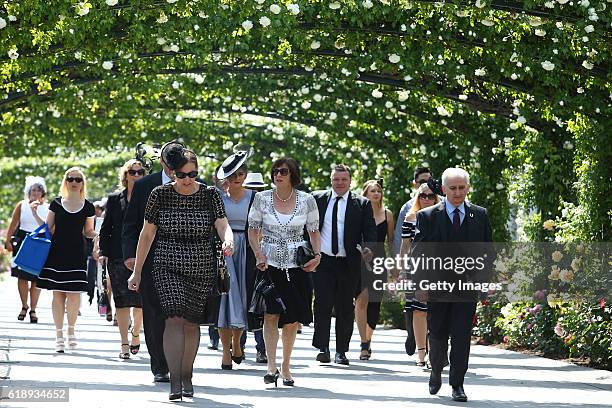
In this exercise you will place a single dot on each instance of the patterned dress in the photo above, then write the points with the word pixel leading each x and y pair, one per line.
pixel 282 235
pixel 66 266
pixel 184 265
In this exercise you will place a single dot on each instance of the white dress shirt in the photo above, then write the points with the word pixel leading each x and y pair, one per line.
pixel 326 231
pixel 165 178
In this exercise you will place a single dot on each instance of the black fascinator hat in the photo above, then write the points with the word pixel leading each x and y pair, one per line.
pixel 172 154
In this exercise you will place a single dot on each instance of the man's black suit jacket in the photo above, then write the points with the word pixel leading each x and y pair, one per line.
pixel 134 217
pixel 359 224
pixel 433 226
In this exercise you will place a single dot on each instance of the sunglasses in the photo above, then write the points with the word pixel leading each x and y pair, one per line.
pixel 427 196
pixel 283 171
pixel 182 175
pixel 140 172
pixel 74 179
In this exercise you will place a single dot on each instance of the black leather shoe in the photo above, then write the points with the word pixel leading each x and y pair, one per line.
pixel 459 394
pixel 261 358
pixel 188 393
pixel 175 396
pixel 324 356
pixel 340 358
pixel 435 382
pixel 161 378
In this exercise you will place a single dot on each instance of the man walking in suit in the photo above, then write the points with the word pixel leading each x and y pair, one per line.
pixel 345 221
pixel 153 320
pixel 456 226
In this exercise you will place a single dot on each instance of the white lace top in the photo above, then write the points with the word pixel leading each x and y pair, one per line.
pixel 283 233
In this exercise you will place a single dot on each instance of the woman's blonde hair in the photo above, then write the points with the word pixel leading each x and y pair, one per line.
pixel 370 183
pixel 417 204
pixel 124 171
pixel 64 186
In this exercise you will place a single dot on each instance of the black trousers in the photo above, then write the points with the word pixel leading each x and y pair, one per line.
pixel 335 286
pixel 452 319
pixel 154 324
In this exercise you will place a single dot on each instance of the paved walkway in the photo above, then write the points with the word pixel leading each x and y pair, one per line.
pixel 97 378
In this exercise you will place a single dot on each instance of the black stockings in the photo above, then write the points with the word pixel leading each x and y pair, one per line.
pixel 181 342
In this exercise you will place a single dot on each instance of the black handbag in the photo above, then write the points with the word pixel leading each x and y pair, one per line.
pixel 222 284
pixel 304 255
pixel 265 289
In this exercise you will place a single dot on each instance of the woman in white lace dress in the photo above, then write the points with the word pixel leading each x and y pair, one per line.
pixel 276 230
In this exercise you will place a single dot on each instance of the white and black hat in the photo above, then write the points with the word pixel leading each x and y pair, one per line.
pixel 232 164
pixel 254 180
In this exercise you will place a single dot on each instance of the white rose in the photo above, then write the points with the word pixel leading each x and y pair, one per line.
pixel 112 2
pixel 562 1
pixel 463 97
pixel 402 96
pixel 81 9
pixel 172 1
pixel 487 23
pixel 315 45
pixel 174 48
pixel 586 64
pixel 480 72
pixel 264 21
pixel 13 54
pixel 367 4
pixel 480 3
pixel 2 23
pixel 306 105
pixel 557 256
pixel 275 8
pixel 247 24
pixel 388 104
pixel 199 79
pixel 12 17
pixel 442 111
pixel 377 94
pixel 78 55
pixel 394 58
pixel 107 65
pixel 293 8
pixel 334 6
pixel 162 18
pixel 589 28
pixel 548 66
pixel 540 33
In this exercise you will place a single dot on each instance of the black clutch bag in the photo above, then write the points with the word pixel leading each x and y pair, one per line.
pixel 223 277
pixel 304 255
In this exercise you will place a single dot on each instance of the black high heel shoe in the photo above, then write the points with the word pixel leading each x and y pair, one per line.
pixel 288 383
pixel 240 359
pixel 366 352
pixel 272 378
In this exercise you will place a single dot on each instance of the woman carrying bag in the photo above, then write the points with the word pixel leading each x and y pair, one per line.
pixel 28 215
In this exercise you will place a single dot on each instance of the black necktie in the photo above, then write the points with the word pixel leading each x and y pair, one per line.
pixel 456 220
pixel 334 247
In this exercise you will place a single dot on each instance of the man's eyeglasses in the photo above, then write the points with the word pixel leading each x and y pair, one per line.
pixel 282 171
pixel 74 179
pixel 182 175
pixel 140 172
pixel 427 196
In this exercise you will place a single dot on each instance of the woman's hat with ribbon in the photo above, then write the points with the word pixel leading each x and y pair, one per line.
pixel 232 164
pixel 254 180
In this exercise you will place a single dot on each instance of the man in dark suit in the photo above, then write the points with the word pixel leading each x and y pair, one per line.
pixel 345 221
pixel 454 228
pixel 153 319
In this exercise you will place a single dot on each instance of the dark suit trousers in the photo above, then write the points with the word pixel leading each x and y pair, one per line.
pixel 454 319
pixel 335 287
pixel 154 323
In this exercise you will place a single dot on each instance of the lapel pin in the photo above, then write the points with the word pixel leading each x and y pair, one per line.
pixel 471 215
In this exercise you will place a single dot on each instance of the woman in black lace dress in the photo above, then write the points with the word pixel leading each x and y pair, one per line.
pixel 182 215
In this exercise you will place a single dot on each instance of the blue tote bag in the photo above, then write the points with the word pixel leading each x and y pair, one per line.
pixel 34 251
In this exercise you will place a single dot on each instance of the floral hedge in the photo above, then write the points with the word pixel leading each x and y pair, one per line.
pixel 570 330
